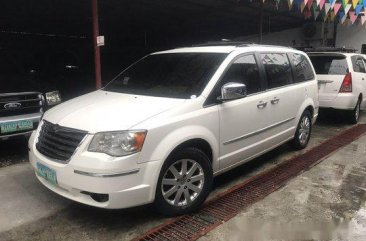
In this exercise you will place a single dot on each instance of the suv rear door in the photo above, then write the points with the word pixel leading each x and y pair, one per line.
pixel 331 68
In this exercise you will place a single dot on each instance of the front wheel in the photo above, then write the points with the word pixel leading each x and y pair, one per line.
pixel 184 182
pixel 303 131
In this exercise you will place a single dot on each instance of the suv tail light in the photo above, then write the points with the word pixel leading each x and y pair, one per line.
pixel 346 84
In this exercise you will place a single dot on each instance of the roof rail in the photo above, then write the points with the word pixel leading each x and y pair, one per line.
pixel 223 42
pixel 331 49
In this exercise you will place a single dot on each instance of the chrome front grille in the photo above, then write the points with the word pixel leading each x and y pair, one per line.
pixel 57 142
pixel 14 104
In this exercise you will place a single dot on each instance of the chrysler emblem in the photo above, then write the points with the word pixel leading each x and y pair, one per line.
pixel 12 106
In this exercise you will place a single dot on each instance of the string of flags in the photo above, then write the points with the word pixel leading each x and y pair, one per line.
pixel 344 11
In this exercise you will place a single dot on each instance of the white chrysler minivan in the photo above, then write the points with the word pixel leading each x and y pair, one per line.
pixel 164 127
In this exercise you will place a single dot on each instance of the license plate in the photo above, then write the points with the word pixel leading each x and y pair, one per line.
pixel 47 173
pixel 14 126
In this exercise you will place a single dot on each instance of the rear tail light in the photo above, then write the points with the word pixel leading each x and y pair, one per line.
pixel 346 84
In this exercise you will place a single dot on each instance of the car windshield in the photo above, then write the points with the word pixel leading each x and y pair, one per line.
pixel 329 64
pixel 174 75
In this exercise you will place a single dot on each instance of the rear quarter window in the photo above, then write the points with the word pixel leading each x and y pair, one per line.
pixel 301 68
pixel 333 65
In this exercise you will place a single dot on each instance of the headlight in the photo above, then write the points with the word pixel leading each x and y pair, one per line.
pixel 53 98
pixel 121 143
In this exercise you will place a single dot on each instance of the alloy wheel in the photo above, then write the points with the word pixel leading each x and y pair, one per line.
pixel 183 182
pixel 304 130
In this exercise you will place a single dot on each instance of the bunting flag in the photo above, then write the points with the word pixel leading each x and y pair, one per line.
pixel 363 19
pixel 316 14
pixel 290 2
pixel 352 16
pixel 344 3
pixel 347 8
pixel 327 8
pixel 343 20
pixel 306 2
pixel 317 2
pixel 354 3
pixel 321 4
pixel 336 8
pixel 310 4
pixel 358 9
pixel 331 1
pixel 332 16
pixel 302 7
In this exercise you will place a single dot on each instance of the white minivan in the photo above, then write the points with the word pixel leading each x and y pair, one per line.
pixel 164 127
pixel 342 81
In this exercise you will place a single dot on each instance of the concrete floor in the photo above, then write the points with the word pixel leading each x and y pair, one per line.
pixel 326 202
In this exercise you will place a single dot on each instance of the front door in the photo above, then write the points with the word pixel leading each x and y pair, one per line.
pixel 242 121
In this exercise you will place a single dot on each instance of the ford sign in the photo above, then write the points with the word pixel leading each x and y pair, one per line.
pixel 12 106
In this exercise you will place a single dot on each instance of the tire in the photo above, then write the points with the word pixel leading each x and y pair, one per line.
pixel 303 128
pixel 178 194
pixel 354 115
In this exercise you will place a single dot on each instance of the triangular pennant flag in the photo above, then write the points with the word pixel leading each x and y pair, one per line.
pixel 343 19
pixel 317 2
pixel 331 1
pixel 358 9
pixel 316 14
pixel 352 16
pixel 340 15
pixel 290 3
pixel 332 16
pixel 364 4
pixel 321 5
pixel 360 2
pixel 345 2
pixel 347 8
pixel 310 3
pixel 302 7
pixel 327 8
pixel 363 19
pixel 354 3
pixel 336 8
pixel 306 2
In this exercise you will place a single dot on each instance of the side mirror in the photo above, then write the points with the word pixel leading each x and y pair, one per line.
pixel 233 91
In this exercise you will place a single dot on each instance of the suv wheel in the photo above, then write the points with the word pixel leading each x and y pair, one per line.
pixel 184 183
pixel 355 114
pixel 303 131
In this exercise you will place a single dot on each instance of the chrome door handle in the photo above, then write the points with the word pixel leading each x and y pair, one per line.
pixel 261 105
pixel 275 100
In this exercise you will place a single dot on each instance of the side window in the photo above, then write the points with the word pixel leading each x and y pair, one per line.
pixel 244 70
pixel 358 64
pixel 302 68
pixel 278 69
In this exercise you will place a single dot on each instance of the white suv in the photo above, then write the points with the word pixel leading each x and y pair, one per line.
pixel 342 81
pixel 166 125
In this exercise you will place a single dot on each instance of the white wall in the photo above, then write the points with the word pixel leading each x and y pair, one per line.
pixel 351 36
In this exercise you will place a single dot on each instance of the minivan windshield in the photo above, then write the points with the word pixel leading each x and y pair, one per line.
pixel 330 64
pixel 173 75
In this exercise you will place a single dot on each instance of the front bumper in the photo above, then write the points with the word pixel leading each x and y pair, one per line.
pixel 343 101
pixel 126 182
pixel 36 117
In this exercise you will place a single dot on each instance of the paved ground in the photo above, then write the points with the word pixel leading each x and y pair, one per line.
pixel 327 200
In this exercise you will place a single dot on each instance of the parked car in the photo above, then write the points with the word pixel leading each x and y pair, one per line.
pixel 342 81
pixel 20 112
pixel 164 127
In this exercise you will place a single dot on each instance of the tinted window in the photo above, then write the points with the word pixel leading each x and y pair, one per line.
pixel 302 68
pixel 358 64
pixel 244 70
pixel 277 68
pixel 178 75
pixel 336 65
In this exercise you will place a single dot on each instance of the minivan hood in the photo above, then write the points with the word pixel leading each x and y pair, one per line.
pixel 101 111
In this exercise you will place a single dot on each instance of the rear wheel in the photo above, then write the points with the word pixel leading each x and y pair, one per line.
pixel 355 114
pixel 184 182
pixel 303 131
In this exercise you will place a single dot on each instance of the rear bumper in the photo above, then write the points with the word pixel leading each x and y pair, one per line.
pixel 345 101
pixel 36 117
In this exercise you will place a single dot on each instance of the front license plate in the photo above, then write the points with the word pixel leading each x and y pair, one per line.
pixel 47 173
pixel 14 126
